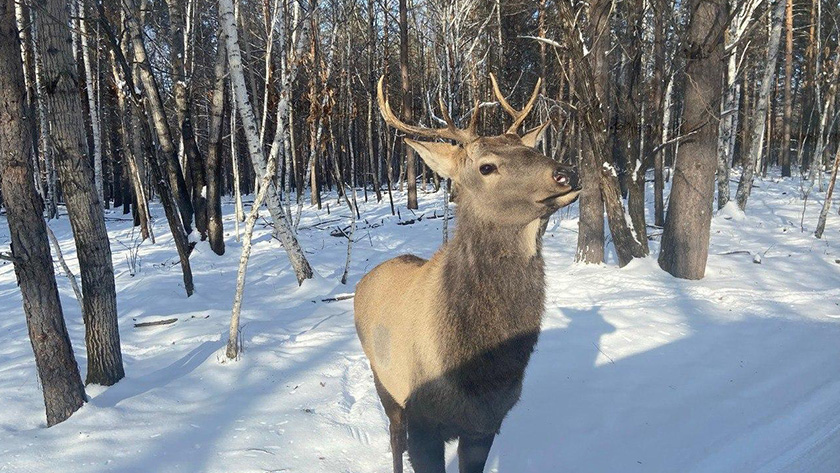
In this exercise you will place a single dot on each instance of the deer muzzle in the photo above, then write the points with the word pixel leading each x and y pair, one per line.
pixel 565 175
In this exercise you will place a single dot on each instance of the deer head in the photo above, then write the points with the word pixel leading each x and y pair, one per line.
pixel 501 179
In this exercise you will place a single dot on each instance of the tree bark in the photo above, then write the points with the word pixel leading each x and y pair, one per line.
pixel 127 138
pixel 371 115
pixel 827 202
pixel 410 161
pixel 142 126
pixel 759 121
pixel 183 101
pixel 93 105
pixel 43 137
pixel 685 240
pixel 57 369
pixel 83 205
pixel 728 127
pixel 591 232
pixel 215 226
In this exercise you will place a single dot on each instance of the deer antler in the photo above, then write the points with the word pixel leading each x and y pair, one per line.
pixel 451 132
pixel 518 115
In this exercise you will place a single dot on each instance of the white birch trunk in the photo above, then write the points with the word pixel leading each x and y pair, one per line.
pixel 276 18
pixel 233 346
pixel 728 127
pixel 93 107
pixel 239 209
pixel 760 112
pixel 282 229
pixel 69 274
pixel 827 202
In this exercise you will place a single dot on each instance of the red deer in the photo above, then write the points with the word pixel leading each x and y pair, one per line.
pixel 448 339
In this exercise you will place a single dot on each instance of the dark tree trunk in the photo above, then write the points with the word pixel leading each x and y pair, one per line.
pixel 218 108
pixel 590 244
pixel 57 368
pixel 685 241
pixel 592 72
pixel 410 165
pixel 83 205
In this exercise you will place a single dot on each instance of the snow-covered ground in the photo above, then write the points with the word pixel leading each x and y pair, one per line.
pixel 635 371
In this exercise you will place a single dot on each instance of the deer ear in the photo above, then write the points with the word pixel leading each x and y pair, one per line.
pixel 533 137
pixel 440 157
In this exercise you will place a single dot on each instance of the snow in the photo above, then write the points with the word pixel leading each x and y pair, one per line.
pixel 731 211
pixel 193 237
pixel 635 371
pixel 607 167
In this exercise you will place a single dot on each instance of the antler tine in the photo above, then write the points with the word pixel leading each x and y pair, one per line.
pixel 501 97
pixel 471 128
pixel 451 132
pixel 518 116
pixel 525 111
pixel 445 112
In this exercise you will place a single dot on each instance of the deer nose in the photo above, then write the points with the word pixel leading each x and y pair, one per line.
pixel 566 176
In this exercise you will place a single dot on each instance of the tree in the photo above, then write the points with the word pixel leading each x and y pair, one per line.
pixel 178 33
pixel 67 137
pixel 788 106
pixel 685 240
pixel 215 227
pixel 760 112
pixel 596 170
pixel 410 161
pixel 57 368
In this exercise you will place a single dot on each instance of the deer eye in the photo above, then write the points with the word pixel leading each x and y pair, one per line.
pixel 486 169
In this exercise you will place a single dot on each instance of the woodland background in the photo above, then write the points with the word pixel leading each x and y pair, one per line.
pixel 113 104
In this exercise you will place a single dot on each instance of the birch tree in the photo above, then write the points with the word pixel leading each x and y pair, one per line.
pixel 282 228
pixel 730 104
pixel 154 108
pixel 759 120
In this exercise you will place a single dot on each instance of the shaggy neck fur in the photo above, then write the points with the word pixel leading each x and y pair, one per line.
pixel 493 303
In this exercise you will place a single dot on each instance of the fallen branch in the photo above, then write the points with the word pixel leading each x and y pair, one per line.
pixel 735 252
pixel 340 297
pixel 156 323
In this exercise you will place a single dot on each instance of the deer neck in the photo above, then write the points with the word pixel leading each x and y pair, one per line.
pixel 494 282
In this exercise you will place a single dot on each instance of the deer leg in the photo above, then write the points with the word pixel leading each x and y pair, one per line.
pixel 396 424
pixel 473 451
pixel 425 447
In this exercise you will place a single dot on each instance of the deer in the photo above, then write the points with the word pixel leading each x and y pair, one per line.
pixel 448 339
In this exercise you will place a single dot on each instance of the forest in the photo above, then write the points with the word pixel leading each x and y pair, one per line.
pixel 190 190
